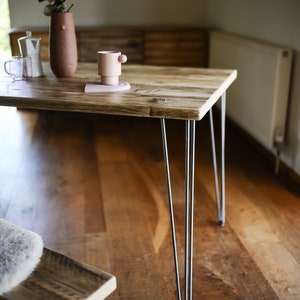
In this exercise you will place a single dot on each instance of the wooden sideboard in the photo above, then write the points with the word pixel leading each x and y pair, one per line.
pixel 156 45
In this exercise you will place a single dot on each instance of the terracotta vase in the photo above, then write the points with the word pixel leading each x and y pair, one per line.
pixel 63 45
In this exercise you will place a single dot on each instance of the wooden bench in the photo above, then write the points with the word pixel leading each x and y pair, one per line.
pixel 156 45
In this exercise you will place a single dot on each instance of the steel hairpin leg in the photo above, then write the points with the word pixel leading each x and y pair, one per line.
pixel 219 202
pixel 167 166
pixel 189 206
pixel 189 193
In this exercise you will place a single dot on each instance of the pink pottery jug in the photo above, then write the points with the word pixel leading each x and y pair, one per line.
pixel 63 45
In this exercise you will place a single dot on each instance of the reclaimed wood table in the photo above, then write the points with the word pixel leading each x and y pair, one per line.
pixel 156 92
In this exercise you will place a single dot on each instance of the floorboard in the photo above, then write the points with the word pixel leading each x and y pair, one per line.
pixel 94 187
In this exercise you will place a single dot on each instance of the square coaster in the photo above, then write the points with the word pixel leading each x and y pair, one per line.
pixel 97 87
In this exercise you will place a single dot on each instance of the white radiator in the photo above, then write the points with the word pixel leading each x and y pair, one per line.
pixel 258 99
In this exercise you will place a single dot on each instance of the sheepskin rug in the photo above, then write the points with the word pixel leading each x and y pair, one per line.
pixel 20 252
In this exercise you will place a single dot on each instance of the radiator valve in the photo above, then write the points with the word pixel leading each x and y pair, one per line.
pixel 279 138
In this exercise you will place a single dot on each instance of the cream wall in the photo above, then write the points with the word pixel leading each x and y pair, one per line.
pixel 276 21
pixel 114 12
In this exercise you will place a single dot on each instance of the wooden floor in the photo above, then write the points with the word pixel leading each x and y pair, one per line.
pixel 94 188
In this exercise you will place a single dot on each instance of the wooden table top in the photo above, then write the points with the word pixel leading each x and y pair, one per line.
pixel 159 92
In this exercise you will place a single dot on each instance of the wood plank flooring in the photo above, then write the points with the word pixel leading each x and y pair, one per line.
pixel 94 188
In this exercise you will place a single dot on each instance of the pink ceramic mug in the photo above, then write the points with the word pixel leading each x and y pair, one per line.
pixel 109 66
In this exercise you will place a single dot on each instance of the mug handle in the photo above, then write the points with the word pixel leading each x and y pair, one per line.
pixel 5 65
pixel 122 58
